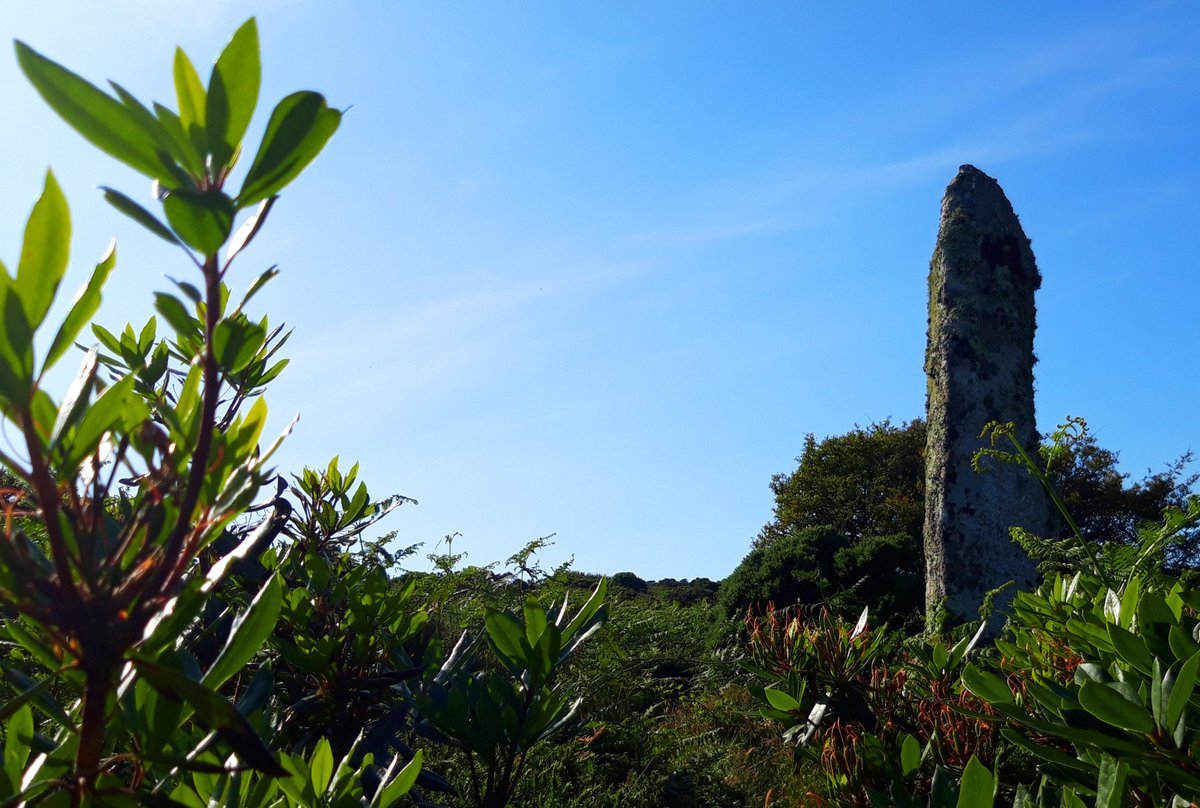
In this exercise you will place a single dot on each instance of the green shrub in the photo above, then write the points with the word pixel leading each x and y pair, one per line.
pixel 131 610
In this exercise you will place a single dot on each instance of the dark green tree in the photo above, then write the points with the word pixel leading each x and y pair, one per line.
pixel 1108 507
pixel 868 482
pixel 818 564
pixel 847 527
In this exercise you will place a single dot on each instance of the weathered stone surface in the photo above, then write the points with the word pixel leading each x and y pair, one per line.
pixel 979 362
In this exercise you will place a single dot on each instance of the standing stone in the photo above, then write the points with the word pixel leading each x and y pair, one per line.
pixel 979 362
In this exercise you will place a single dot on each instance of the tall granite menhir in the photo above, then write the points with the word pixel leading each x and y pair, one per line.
pixel 979 361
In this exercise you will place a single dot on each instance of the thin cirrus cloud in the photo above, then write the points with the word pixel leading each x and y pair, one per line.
pixel 449 343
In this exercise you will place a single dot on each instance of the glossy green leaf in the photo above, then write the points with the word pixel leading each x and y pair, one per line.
pixel 86 302
pixel 188 155
pixel 1177 689
pixel 107 338
pixel 978 786
pixel 1110 787
pixel 116 405
pixel 186 796
pixel 1072 800
pixel 535 620
pixel 987 685
pixel 176 314
pixel 910 755
pixel 321 766
pixel 202 220
pixel 299 128
pixel 236 342
pixel 1112 606
pixel 781 700
pixel 589 615
pixel 943 790
pixel 247 633
pixel 1111 707
pixel 1152 611
pixel 169 151
pixel 297 784
pixel 507 638
pixel 189 92
pixel 1181 643
pixel 214 711
pixel 939 656
pixel 1131 648
pixel 100 118
pixel 44 252
pixel 403 781
pixel 1130 597
pixel 1157 698
pixel 233 93
pixel 965 646
pixel 18 735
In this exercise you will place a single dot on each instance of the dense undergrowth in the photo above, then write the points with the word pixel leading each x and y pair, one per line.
pixel 180 625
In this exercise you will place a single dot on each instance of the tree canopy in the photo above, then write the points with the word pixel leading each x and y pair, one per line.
pixel 847 527
pixel 868 482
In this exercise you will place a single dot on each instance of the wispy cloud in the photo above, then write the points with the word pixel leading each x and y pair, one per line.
pixel 448 343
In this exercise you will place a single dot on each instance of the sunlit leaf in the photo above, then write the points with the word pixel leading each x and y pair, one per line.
pixel 139 214
pixel 115 405
pixel 1110 786
pixel 987 685
pixel 236 342
pixel 169 147
pixel 780 700
pixel 1178 689
pixel 247 634
pixel 321 766
pixel 392 790
pixel 233 92
pixel 192 158
pixel 192 102
pixel 86 302
pixel 44 252
pixel 100 118
pixel 18 736
pixel 535 619
pixel 214 711
pixel 1111 707
pixel 299 128
pixel 978 786
pixel 506 637
pixel 176 314
pixel 202 220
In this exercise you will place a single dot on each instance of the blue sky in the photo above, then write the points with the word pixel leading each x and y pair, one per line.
pixel 596 269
